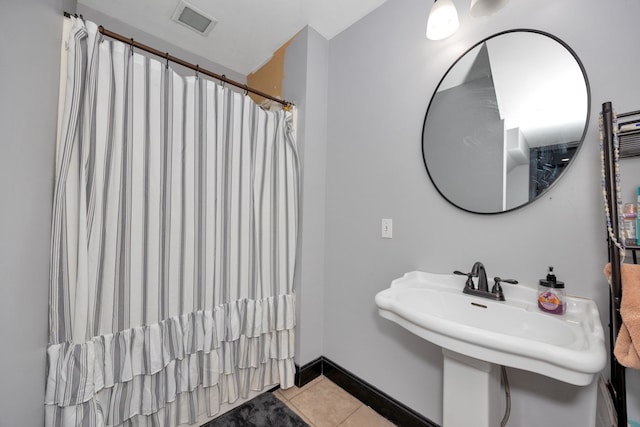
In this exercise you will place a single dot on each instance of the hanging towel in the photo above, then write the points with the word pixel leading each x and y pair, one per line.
pixel 627 346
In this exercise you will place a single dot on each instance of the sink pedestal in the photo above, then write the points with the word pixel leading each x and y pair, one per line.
pixel 471 392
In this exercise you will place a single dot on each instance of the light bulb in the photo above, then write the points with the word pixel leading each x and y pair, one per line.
pixel 442 21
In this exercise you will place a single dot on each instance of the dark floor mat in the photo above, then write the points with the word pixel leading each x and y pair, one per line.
pixel 265 410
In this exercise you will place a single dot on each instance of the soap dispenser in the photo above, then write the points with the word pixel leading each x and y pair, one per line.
pixel 551 296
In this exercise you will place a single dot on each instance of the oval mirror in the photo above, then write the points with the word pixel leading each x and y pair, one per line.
pixel 506 121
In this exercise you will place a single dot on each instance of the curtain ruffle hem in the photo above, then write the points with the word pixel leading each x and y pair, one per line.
pixel 173 371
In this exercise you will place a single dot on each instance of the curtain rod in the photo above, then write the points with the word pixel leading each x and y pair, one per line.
pixel 196 68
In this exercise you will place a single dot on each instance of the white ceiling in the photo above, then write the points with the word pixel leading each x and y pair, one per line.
pixel 248 32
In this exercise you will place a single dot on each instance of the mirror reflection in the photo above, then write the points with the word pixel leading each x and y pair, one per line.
pixel 505 121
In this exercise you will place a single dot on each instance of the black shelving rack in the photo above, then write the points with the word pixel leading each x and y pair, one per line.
pixel 629 146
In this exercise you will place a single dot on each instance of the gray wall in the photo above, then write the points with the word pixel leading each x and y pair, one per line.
pixel 382 73
pixel 30 35
pixel 306 85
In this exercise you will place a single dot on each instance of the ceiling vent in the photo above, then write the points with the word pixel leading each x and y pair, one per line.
pixel 193 18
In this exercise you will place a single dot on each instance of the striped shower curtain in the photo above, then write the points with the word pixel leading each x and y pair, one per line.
pixel 173 243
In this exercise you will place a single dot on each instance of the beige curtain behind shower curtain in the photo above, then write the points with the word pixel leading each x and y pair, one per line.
pixel 173 243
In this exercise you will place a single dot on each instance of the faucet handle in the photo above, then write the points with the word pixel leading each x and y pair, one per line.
pixel 469 283
pixel 497 289
pixel 498 280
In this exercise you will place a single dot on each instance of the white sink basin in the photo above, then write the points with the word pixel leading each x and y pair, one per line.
pixel 512 333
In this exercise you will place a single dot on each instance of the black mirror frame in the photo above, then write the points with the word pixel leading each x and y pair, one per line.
pixel 581 142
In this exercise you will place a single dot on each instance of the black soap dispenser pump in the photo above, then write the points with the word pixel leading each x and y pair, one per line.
pixel 551 296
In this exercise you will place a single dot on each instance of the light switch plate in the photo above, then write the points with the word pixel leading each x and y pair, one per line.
pixel 386 228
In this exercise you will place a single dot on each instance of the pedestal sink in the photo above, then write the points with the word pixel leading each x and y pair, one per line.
pixel 478 335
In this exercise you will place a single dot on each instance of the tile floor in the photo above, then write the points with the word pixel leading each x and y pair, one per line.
pixel 321 403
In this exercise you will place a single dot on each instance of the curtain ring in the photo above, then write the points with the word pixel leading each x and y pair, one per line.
pixel 246 90
pixel 197 71
pixel 166 57
pixel 131 45
pixel 223 80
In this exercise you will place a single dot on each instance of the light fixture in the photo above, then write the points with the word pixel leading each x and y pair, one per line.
pixel 442 21
pixel 486 7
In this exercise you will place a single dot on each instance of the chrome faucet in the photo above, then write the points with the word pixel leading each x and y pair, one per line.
pixel 482 290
